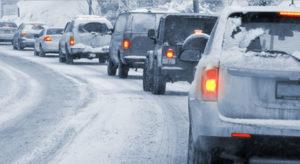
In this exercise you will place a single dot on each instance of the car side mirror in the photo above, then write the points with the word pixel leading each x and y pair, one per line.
pixel 151 34
pixel 193 47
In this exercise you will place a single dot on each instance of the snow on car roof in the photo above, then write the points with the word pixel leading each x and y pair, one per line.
pixel 89 18
pixel 152 10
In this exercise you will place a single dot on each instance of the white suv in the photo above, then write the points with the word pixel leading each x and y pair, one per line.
pixel 85 37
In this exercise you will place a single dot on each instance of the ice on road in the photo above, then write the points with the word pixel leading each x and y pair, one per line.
pixel 57 113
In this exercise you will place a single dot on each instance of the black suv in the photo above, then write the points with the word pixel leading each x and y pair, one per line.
pixel 129 43
pixel 177 49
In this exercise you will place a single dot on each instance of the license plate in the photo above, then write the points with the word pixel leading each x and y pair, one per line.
pixel 288 90
pixel 168 61
pixel 92 55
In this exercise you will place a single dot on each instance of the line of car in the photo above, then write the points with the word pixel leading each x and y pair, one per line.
pixel 244 99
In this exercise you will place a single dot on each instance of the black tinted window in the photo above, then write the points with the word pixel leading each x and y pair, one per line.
pixel 7 24
pixel 54 31
pixel 93 27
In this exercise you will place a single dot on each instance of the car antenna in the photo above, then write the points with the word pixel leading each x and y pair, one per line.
pixel 292 3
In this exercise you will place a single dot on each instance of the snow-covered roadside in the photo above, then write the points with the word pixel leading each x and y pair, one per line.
pixel 117 122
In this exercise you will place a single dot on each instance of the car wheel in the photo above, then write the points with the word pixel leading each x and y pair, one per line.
pixel 147 77
pixel 42 52
pixel 102 60
pixel 123 70
pixel 111 69
pixel 159 82
pixel 14 45
pixel 61 57
pixel 19 46
pixel 69 58
pixel 35 53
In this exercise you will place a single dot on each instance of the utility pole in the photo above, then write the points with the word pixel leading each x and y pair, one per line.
pixel 292 4
pixel 196 6
pixel 90 7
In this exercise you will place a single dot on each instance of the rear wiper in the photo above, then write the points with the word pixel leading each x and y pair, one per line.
pixel 284 53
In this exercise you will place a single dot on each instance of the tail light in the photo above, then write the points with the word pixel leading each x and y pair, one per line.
pixel 170 53
pixel 126 44
pixel 241 135
pixel 23 32
pixel 210 84
pixel 290 14
pixel 72 41
pixel 47 38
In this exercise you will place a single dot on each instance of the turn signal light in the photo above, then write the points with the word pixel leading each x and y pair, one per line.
pixel 289 14
pixel 126 44
pixel 72 41
pixel 23 32
pixel 47 38
pixel 209 84
pixel 241 135
pixel 170 53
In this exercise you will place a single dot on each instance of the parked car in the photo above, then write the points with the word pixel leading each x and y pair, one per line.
pixel 7 31
pixel 26 34
pixel 129 44
pixel 244 102
pixel 48 41
pixel 176 51
pixel 85 37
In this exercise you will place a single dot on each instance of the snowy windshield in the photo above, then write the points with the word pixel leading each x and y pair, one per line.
pixel 175 33
pixel 144 22
pixel 93 27
pixel 262 32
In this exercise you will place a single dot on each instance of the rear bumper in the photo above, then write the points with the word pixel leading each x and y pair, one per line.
pixel 6 37
pixel 173 73
pixel 89 52
pixel 50 47
pixel 25 42
pixel 211 130
pixel 133 58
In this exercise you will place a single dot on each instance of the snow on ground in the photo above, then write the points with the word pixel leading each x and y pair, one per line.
pixel 106 119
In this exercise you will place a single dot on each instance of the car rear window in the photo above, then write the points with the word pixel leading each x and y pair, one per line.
pixel 7 24
pixel 269 33
pixel 144 22
pixel 93 27
pixel 54 31
pixel 178 28
pixel 36 27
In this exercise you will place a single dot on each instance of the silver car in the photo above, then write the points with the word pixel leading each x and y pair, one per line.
pixel 244 104
pixel 48 41
pixel 7 31
pixel 85 37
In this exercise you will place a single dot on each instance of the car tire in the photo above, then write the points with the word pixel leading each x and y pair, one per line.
pixel 35 52
pixel 69 58
pixel 123 70
pixel 14 45
pixel 19 46
pixel 61 57
pixel 159 82
pixel 102 60
pixel 111 69
pixel 42 52
pixel 147 77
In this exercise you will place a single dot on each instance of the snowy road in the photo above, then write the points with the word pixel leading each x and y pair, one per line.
pixel 57 113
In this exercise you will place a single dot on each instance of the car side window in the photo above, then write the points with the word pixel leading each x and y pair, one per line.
pixel 70 27
pixel 120 24
pixel 21 27
pixel 65 30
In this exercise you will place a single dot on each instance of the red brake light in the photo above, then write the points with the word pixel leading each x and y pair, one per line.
pixel 210 84
pixel 47 38
pixel 198 32
pixel 289 14
pixel 71 41
pixel 126 44
pixel 241 135
pixel 170 53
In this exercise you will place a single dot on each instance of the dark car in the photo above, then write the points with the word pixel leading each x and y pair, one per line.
pixel 129 43
pixel 176 52
pixel 26 34
pixel 7 31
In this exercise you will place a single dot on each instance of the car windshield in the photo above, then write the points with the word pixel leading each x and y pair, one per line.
pixel 174 33
pixel 93 27
pixel 35 27
pixel 7 25
pixel 54 31
pixel 144 22
pixel 262 32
